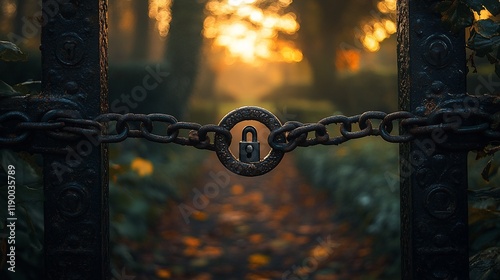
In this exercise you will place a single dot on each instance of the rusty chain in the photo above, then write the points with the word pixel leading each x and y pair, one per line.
pixel 67 125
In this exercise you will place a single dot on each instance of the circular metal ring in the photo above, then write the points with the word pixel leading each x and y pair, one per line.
pixel 18 138
pixel 222 146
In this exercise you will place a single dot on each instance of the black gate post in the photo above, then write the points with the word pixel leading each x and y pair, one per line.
pixel 74 65
pixel 431 62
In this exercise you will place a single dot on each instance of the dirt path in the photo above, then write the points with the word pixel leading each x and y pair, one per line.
pixel 274 226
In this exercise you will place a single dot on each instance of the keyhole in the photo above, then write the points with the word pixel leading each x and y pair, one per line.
pixel 249 150
pixel 69 47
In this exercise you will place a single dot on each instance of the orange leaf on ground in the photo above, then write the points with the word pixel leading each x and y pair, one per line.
pixel 287 236
pixel 257 260
pixel 163 273
pixel 210 252
pixel 255 238
pixel 191 241
pixel 200 216
pixel 237 189
pixel 255 197
pixel 320 252
pixel 190 252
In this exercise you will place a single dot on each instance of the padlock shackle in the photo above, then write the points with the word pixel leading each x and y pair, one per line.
pixel 246 130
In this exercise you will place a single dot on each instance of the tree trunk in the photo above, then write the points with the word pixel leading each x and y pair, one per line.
pixel 324 26
pixel 182 54
pixel 141 42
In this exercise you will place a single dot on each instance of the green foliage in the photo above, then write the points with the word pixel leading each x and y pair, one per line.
pixel 484 212
pixel 29 213
pixel 484 217
pixel 486 265
pixel 7 91
pixel 29 194
pixel 137 202
pixel 361 177
pixel 484 35
pixel 10 52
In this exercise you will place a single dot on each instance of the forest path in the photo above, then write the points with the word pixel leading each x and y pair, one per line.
pixel 275 226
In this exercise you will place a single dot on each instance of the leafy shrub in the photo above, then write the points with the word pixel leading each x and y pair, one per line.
pixel 142 183
pixel 484 218
pixel 29 214
pixel 361 177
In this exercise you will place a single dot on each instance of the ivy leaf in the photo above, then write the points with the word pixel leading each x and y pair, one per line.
pixel 29 87
pixel 487 28
pixel 485 264
pixel 7 91
pixel 476 5
pixel 458 15
pixel 493 6
pixel 491 58
pixel 489 170
pixel 10 52
pixel 483 45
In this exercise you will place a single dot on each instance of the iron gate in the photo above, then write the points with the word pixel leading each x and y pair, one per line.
pixel 439 123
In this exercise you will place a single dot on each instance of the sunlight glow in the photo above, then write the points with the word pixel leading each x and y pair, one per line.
pixel 160 10
pixel 9 8
pixel 379 28
pixel 252 30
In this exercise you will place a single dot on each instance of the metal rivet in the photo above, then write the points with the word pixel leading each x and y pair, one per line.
pixel 71 87
pixel 438 50
pixel 437 87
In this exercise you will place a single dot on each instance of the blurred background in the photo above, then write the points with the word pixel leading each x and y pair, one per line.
pixel 325 213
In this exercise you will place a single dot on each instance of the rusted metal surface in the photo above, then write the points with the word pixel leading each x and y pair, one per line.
pixel 434 226
pixel 74 68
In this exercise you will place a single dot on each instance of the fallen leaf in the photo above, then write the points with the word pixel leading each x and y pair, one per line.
pixel 200 216
pixel 191 241
pixel 237 189
pixel 257 260
pixel 255 238
pixel 190 252
pixel 163 273
pixel 10 52
pixel 320 252
pixel 287 236
pixel 143 167
pixel 210 252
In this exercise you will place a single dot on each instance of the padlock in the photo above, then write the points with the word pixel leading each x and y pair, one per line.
pixel 249 151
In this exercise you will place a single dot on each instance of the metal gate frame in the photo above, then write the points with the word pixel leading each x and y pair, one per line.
pixel 432 70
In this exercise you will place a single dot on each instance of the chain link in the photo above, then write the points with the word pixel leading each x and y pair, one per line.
pixel 67 125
